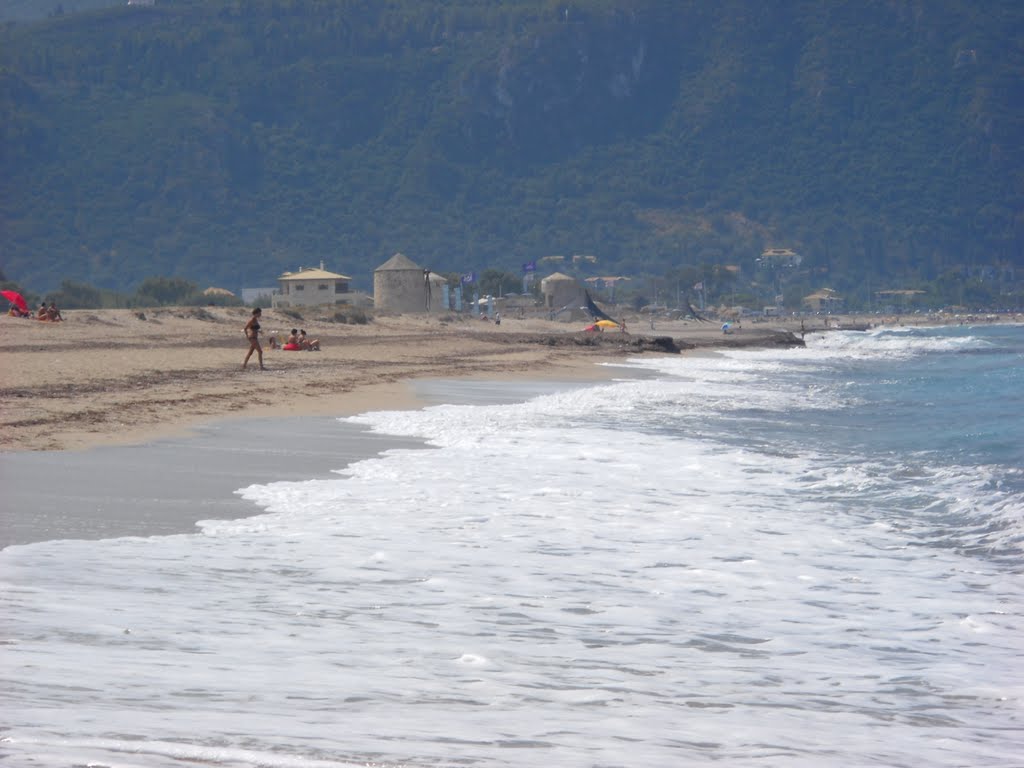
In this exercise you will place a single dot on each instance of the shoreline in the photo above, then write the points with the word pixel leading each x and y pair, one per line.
pixel 184 459
pixel 127 377
pixel 168 485
pixel 118 423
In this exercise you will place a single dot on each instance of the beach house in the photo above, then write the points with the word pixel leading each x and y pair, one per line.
pixel 825 300
pixel 310 287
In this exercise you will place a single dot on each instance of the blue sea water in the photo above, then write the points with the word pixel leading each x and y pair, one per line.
pixel 810 557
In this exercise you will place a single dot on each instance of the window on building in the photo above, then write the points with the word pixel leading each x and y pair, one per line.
pixel 322 287
pixel 300 287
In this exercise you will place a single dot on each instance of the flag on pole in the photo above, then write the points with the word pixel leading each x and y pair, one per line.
pixel 530 266
pixel 699 286
pixel 468 277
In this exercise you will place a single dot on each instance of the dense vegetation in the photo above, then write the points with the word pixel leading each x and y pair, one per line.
pixel 22 10
pixel 151 292
pixel 223 142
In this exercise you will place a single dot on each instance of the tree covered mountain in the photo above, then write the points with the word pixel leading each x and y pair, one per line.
pixel 28 10
pixel 227 141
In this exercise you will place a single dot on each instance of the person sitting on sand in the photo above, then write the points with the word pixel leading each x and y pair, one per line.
pixel 53 313
pixel 292 343
pixel 16 311
pixel 42 314
pixel 252 333
pixel 311 345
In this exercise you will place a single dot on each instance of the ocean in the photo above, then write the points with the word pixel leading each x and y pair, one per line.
pixel 805 557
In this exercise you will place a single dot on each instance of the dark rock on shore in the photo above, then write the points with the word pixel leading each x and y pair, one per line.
pixel 753 339
pixel 627 343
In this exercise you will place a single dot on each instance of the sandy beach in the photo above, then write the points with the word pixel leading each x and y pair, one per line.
pixel 123 377
pixel 142 422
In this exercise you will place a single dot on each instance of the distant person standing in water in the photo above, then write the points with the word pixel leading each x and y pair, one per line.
pixel 252 333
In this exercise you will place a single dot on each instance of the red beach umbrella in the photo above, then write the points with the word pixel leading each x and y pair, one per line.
pixel 15 298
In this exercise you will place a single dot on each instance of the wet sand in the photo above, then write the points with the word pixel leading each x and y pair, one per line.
pixel 165 486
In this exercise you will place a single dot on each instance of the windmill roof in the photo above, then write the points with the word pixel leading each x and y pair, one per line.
pixel 398 263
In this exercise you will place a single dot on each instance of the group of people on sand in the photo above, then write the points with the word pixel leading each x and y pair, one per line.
pixel 47 314
pixel 296 341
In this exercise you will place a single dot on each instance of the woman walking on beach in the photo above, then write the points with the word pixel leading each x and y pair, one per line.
pixel 252 333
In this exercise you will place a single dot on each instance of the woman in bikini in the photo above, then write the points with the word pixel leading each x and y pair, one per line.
pixel 252 333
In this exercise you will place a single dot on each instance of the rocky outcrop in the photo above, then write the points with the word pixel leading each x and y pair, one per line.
pixel 625 343
pixel 756 339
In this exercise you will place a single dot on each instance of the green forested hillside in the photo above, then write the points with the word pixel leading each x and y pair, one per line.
pixel 226 141
pixel 25 10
